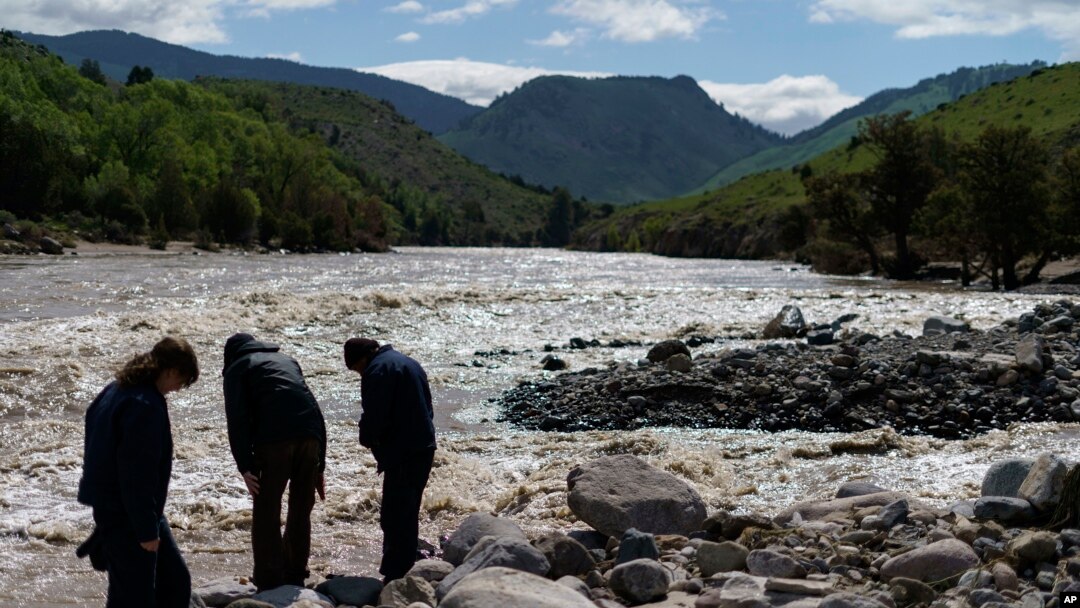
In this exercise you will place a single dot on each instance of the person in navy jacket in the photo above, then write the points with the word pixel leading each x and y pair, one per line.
pixel 127 461
pixel 397 426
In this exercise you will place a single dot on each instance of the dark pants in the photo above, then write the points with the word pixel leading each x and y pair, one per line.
pixel 139 578
pixel 282 559
pixel 403 494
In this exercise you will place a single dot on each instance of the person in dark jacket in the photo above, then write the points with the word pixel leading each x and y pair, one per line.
pixel 278 439
pixel 127 461
pixel 397 426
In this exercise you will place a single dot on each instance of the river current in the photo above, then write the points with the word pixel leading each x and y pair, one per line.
pixel 66 323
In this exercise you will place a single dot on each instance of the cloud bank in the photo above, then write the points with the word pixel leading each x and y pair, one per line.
pixel 639 20
pixel 786 104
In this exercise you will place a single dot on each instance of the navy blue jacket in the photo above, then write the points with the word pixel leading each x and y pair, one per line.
pixel 127 457
pixel 396 399
pixel 267 401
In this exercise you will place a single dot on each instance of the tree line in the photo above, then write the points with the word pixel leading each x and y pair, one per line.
pixel 990 203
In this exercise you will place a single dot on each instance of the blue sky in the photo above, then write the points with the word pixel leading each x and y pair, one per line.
pixel 786 64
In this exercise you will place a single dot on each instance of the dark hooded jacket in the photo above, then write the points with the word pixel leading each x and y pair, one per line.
pixel 267 400
pixel 127 458
pixel 396 399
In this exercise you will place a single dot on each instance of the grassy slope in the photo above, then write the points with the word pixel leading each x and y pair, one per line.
pixel 1048 102
pixel 919 100
pixel 390 146
pixel 614 139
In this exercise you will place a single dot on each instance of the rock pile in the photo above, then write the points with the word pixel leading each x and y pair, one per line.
pixel 951 382
pixel 865 548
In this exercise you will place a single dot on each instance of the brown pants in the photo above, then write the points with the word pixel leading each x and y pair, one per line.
pixel 282 559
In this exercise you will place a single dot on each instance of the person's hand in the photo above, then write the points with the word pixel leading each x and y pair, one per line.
pixel 252 482
pixel 151 545
pixel 320 486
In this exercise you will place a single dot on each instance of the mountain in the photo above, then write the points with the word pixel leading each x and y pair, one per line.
pixel 763 215
pixel 620 139
pixel 118 52
pixel 414 169
pixel 925 96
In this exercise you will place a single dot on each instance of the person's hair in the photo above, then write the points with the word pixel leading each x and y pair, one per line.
pixel 359 348
pixel 168 353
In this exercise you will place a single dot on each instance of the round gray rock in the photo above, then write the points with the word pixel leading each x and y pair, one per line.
pixel 640 581
pixel 431 570
pixel 764 562
pixel 505 552
pixel 615 493
pixel 666 349
pixel 1005 477
pixel 408 590
pixel 934 562
pixel 475 527
pixel 721 557
pixel 224 591
pixel 502 587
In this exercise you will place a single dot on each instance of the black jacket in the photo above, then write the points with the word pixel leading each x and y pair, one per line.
pixel 396 399
pixel 267 400
pixel 127 457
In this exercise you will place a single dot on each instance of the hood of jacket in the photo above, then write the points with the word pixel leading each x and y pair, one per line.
pixel 239 345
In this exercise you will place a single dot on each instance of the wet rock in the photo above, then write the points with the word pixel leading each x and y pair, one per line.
pixel 640 581
pixel 10 232
pixel 894 513
pixel 565 555
pixel 1043 485
pixel 789 323
pixel 1003 508
pixel 51 246
pixel 475 527
pixel 938 325
pixel 721 557
pixel 431 570
pixel 1005 477
pixel 666 349
pixel 857 488
pixel 936 561
pixel 408 590
pixel 287 595
pixel 724 524
pixel 505 552
pixel 767 563
pixel 636 545
pixel 615 493
pixel 352 590
pixel 820 337
pixel 820 509
pixel 679 363
pixel 503 587
pixel 224 591
pixel 551 363
pixel 1029 353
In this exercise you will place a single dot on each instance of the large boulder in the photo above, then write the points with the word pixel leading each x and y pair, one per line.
pixel 352 590
pixel 1029 353
pixel 727 556
pixel 615 493
pixel 475 527
pixel 937 325
pixel 51 246
pixel 1044 483
pixel 407 591
pixel 820 509
pixel 1005 477
pixel 502 587
pixel 667 349
pixel 640 581
pixel 788 323
pixel 504 552
pixel 934 562
pixel 431 570
pixel 1004 508
pixel 858 488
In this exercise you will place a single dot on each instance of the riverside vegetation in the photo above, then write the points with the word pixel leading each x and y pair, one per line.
pixel 650 540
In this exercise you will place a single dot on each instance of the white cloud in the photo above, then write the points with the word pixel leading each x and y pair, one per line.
pixel 409 6
pixel 472 8
pixel 560 39
pixel 293 56
pixel 640 20
pixel 408 37
pixel 178 22
pixel 787 104
pixel 475 82
pixel 1057 19
pixel 183 22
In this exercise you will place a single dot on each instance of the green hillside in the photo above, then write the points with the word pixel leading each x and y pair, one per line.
pixel 762 215
pixel 118 52
pixel 414 168
pixel 925 96
pixel 613 139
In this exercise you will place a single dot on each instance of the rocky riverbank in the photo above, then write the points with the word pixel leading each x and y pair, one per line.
pixel 950 382
pixel 651 542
